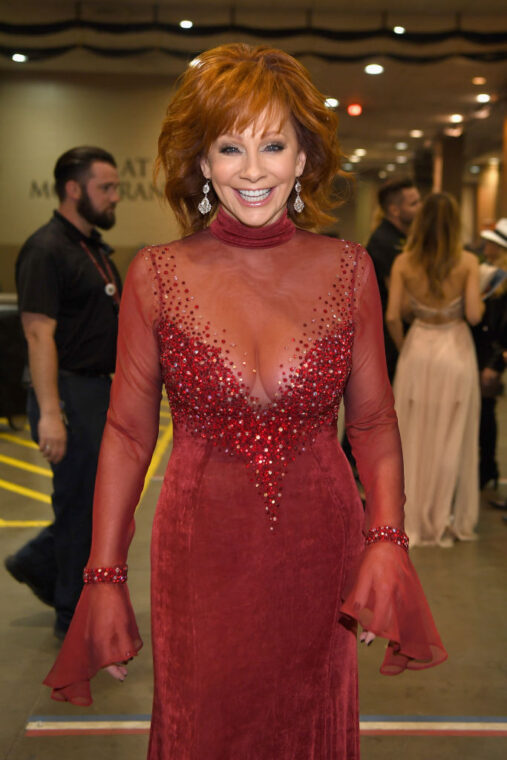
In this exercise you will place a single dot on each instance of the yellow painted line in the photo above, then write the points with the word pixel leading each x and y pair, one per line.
pixel 159 452
pixel 20 464
pixel 19 441
pixel 24 523
pixel 37 495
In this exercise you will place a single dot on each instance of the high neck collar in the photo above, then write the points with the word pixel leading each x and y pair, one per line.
pixel 230 231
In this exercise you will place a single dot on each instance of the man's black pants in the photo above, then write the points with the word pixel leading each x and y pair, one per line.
pixel 58 554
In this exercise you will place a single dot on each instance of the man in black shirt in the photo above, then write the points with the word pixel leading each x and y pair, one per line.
pixel 399 201
pixel 69 293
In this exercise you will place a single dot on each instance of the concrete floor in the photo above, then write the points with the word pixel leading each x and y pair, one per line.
pixel 464 585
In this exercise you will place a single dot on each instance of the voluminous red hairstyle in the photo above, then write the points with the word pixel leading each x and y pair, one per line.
pixel 228 88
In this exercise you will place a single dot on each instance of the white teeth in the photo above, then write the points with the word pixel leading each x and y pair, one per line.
pixel 254 195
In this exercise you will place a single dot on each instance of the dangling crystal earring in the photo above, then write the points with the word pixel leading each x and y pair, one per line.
pixel 299 203
pixel 205 206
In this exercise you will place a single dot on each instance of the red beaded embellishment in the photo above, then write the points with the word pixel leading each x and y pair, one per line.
pixel 116 574
pixel 386 533
pixel 208 389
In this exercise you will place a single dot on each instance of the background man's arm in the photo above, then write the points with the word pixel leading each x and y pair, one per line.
pixel 39 331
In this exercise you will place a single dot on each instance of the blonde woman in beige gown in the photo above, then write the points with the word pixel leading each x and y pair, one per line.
pixel 436 386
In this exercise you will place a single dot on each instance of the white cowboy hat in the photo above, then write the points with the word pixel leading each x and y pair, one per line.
pixel 498 235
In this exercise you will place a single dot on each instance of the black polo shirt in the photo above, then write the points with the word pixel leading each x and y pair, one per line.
pixel 56 277
pixel 385 243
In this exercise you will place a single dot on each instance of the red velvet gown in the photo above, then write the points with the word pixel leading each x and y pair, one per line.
pixel 259 571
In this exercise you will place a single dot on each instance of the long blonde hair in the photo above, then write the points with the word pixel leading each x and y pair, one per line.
pixel 435 241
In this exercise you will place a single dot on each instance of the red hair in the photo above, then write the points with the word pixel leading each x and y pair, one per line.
pixel 228 88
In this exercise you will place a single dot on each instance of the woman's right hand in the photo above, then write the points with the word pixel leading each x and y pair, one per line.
pixel 118 671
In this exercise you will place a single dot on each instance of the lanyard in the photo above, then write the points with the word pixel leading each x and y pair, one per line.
pixel 110 288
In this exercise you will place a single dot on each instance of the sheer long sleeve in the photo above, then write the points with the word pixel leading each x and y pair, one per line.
pixel 383 592
pixel 103 630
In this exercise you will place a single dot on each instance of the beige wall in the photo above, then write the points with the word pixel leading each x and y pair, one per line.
pixel 45 114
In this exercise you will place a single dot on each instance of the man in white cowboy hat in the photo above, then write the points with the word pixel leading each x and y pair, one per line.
pixel 496 241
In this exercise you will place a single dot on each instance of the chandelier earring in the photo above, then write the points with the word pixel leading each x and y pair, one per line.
pixel 299 203
pixel 205 206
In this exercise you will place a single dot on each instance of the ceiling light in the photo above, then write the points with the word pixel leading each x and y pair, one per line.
pixel 479 80
pixel 360 152
pixel 354 159
pixel 399 29
pixel 354 109
pixel 416 133
pixel 348 166
pixel 453 131
pixel 401 146
pixel 401 159
pixel 374 68
pixel 19 58
pixel 331 103
pixel 456 118
pixel 483 98
pixel 474 169
pixel 382 174
pixel 186 24
pixel 483 113
pixel 390 167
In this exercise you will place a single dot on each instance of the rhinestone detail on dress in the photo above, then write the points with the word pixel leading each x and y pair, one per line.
pixel 209 396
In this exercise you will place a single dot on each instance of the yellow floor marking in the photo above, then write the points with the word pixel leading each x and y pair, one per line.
pixel 24 523
pixel 37 495
pixel 19 441
pixel 26 466
pixel 160 449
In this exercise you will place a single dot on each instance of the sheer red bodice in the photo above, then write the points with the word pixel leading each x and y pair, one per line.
pixel 258 560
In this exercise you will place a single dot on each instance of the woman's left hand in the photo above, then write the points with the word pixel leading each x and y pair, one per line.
pixel 366 637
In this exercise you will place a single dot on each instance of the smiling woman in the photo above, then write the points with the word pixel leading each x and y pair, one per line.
pixel 263 559
pixel 223 93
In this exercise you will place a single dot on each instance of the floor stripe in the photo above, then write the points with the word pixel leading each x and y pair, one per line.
pixel 37 495
pixel 19 441
pixel 375 725
pixel 22 465
pixel 24 523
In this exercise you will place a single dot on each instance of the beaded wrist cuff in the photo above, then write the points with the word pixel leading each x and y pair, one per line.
pixel 386 533
pixel 116 574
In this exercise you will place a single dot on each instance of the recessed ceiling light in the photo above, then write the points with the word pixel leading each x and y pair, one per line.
pixel 331 103
pixel 453 131
pixel 374 68
pixel 483 98
pixel 401 146
pixel 474 169
pixel 354 159
pixel 479 80
pixel 456 118
pixel 416 133
pixel 483 113
pixel 399 29
pixel 390 167
pixel 354 109
pixel 348 166
pixel 19 58
pixel 401 159
pixel 360 152
pixel 186 24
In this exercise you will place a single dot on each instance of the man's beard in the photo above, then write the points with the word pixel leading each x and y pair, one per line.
pixel 105 219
